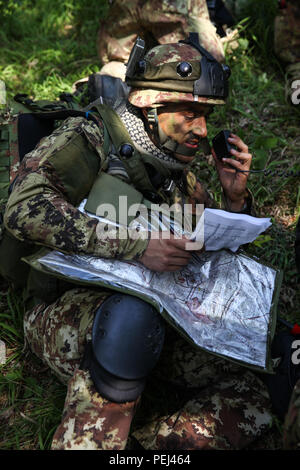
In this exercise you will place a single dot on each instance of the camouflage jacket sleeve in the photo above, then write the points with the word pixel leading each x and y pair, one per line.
pixel 52 180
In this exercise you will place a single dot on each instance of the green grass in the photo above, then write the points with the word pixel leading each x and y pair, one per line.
pixel 31 399
pixel 44 47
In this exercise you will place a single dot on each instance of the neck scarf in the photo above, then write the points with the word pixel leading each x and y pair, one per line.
pixel 131 118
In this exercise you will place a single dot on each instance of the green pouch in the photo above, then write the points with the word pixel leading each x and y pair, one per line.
pixel 109 190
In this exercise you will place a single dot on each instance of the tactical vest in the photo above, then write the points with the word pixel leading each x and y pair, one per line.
pixel 106 189
pixel 151 182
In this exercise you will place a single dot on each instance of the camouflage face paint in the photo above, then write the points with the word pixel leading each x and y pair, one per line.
pixel 185 125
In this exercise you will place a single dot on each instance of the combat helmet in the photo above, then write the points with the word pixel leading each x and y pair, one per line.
pixel 174 73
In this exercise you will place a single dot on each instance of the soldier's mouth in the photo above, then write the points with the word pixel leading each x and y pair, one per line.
pixel 192 141
pixel 193 144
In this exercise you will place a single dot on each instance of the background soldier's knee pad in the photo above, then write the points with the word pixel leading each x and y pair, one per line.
pixel 127 339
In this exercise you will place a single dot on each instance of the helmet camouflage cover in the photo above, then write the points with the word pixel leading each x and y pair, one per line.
pixel 161 81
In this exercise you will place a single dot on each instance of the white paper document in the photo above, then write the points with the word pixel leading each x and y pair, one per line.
pixel 221 229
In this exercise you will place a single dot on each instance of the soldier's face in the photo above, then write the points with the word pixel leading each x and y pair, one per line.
pixel 185 123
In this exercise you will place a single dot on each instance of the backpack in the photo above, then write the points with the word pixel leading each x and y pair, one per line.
pixel 23 123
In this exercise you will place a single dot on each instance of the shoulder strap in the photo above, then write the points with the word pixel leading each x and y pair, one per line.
pixel 119 135
pixel 107 190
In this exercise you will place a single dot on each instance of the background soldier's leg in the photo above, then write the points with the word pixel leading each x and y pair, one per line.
pixel 170 21
pixel 228 406
pixel 199 21
pixel 57 334
pixel 156 22
pixel 118 32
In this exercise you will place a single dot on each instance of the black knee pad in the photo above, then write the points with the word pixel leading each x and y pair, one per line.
pixel 127 339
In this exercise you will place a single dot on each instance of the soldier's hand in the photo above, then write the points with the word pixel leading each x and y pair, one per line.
pixel 234 182
pixel 166 254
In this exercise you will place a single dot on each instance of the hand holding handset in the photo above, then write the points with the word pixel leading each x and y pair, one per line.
pixel 222 149
pixel 221 145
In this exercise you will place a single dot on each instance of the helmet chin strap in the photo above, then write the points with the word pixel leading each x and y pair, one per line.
pixel 165 143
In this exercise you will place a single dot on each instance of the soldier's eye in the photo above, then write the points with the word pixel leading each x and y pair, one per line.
pixel 189 117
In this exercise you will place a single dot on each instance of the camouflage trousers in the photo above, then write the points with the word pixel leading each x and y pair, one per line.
pixel 157 22
pixel 227 405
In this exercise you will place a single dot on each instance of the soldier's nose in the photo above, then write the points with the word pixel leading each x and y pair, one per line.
pixel 199 127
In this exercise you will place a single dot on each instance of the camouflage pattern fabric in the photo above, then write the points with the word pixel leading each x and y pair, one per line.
pixel 56 169
pixel 229 415
pixel 89 421
pixel 13 153
pixel 228 406
pixel 9 157
pixel 157 22
pixel 146 98
pixel 291 436
pixel 57 334
pixel 52 180
pixel 148 92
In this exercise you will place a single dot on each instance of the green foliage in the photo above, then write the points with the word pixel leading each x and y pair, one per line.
pixel 46 46
pixel 260 25
pixel 7 8
pixel 258 113
pixel 11 320
pixel 30 407
pixel 261 240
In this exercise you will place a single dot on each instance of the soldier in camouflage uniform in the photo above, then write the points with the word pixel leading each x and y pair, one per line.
pixel 157 22
pixel 227 405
